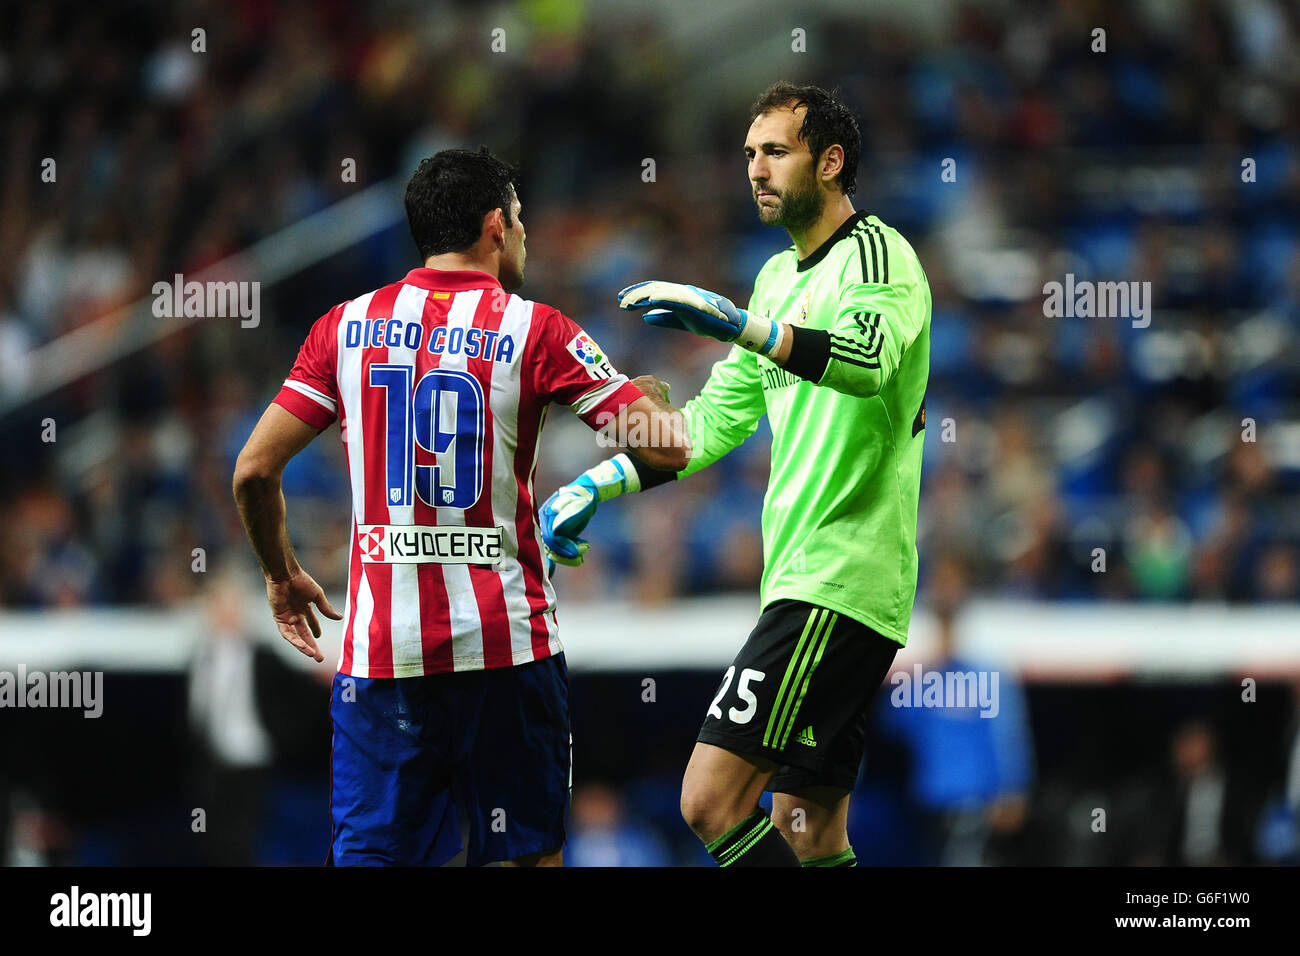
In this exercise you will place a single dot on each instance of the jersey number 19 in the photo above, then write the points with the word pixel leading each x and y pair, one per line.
pixel 416 419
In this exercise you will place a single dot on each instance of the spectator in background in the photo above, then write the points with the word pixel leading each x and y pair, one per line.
pixel 601 834
pixel 1222 567
pixel 971 775
pixel 234 753
pixel 1278 574
pixel 1207 813
pixel 251 714
pixel 1158 554
pixel 40 835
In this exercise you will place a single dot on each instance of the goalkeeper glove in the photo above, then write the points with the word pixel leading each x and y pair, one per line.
pixel 672 305
pixel 565 514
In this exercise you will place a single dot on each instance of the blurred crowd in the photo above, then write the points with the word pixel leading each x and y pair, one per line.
pixel 1078 458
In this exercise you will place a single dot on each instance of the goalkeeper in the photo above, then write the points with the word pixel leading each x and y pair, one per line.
pixel 834 348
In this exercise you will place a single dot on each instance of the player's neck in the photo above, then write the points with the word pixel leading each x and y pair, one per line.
pixel 462 262
pixel 809 240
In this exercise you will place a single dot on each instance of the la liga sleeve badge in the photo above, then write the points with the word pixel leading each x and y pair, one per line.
pixel 584 348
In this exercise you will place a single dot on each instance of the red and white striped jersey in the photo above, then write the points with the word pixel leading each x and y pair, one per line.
pixel 440 384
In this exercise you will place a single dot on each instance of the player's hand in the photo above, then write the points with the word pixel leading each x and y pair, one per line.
pixel 291 605
pixel 563 517
pixel 672 305
pixel 655 388
pixel 565 514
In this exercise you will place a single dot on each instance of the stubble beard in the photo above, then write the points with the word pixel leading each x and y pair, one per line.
pixel 795 209
pixel 514 278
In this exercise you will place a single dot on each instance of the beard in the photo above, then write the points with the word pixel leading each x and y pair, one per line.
pixel 512 273
pixel 795 207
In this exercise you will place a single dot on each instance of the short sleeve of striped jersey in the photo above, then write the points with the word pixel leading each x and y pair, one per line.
pixel 569 367
pixel 311 390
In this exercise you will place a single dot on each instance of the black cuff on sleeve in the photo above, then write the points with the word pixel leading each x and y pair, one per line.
pixel 650 477
pixel 810 353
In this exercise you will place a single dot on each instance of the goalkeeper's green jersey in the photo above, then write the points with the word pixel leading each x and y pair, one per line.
pixel 839 517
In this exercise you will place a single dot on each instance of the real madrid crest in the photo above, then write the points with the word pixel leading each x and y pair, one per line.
pixel 801 316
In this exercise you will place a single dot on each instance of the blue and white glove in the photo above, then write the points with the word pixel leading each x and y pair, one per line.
pixel 565 514
pixel 673 305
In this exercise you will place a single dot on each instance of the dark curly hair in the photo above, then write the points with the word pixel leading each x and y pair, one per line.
pixel 827 122
pixel 450 193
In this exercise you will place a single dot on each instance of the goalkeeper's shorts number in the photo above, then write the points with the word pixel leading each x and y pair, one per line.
pixel 747 676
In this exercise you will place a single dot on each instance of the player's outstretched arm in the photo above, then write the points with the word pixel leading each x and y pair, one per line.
pixel 879 318
pixel 657 434
pixel 653 429
pixel 723 415
pixel 290 590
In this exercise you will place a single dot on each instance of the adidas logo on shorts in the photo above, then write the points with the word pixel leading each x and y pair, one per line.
pixel 806 737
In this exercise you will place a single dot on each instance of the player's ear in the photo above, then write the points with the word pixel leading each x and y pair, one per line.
pixel 832 162
pixel 494 225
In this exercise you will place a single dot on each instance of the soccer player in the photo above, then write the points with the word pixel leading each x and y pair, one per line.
pixel 452 684
pixel 834 348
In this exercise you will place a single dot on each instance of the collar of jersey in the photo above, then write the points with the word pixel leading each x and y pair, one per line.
pixel 818 254
pixel 450 280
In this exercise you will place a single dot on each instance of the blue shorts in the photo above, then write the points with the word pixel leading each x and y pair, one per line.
pixel 408 749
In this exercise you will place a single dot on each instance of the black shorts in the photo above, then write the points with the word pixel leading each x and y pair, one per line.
pixel 799 693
